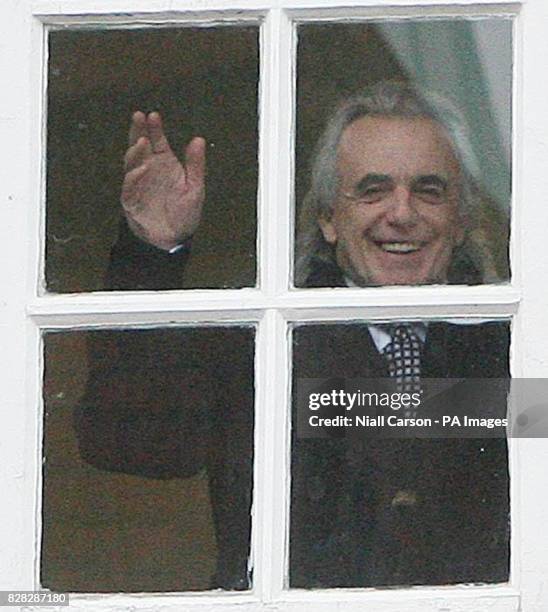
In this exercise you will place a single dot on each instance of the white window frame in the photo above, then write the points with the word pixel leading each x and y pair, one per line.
pixel 26 312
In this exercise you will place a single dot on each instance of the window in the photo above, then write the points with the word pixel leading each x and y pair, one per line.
pixel 202 81
pixel 50 305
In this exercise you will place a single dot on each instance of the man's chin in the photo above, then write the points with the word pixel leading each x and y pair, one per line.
pixel 383 276
pixel 395 279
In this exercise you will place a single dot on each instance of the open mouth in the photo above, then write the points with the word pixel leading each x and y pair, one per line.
pixel 399 248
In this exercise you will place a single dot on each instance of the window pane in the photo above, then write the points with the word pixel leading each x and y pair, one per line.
pixel 371 511
pixel 203 82
pixel 410 179
pixel 148 447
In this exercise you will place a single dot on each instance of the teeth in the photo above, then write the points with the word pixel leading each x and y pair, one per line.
pixel 399 247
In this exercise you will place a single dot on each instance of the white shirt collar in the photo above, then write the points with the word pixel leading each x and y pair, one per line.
pixel 381 337
pixel 379 333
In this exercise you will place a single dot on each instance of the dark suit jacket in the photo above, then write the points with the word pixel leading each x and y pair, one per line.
pixel 348 528
pixel 165 404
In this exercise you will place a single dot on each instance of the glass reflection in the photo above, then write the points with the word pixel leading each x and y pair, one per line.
pixel 148 447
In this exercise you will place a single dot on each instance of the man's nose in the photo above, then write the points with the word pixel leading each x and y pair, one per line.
pixel 402 209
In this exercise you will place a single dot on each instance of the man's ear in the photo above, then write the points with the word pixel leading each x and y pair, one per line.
pixel 328 229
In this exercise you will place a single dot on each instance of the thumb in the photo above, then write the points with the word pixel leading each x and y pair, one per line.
pixel 195 164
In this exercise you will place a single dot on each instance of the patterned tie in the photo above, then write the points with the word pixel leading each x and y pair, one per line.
pixel 403 354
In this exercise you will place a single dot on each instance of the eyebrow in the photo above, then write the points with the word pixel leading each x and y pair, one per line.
pixel 431 179
pixel 423 179
pixel 372 179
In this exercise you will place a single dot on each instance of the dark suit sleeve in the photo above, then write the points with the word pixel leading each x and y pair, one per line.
pixel 136 265
pixel 147 402
pixel 320 552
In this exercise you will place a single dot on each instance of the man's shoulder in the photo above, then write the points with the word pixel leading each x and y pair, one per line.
pixel 469 348
pixel 324 274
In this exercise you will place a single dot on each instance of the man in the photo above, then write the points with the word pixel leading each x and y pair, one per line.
pixel 392 202
pixel 346 224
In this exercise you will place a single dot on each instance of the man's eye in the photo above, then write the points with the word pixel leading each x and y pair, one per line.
pixel 429 193
pixel 372 194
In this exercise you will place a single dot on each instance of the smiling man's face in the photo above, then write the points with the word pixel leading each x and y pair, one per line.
pixel 396 219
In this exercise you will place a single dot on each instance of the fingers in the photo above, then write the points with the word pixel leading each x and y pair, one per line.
pixel 137 154
pixel 156 134
pixel 195 165
pixel 148 126
pixel 147 137
pixel 130 188
pixel 137 128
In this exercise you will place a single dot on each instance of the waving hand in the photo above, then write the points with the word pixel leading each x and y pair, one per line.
pixel 161 197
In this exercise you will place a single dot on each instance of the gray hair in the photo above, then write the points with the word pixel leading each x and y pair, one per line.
pixel 384 99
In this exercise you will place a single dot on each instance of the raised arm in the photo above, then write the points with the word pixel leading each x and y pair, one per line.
pixel 162 198
pixel 149 396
